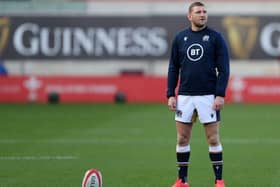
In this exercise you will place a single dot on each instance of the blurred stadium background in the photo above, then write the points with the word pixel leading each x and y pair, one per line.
pixel 90 54
pixel 93 50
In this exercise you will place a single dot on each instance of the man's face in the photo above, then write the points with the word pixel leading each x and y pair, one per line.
pixel 198 16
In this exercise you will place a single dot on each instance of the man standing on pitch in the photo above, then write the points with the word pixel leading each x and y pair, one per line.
pixel 199 56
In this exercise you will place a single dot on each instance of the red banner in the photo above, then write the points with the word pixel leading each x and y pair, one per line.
pixel 82 89
pixel 254 90
pixel 134 88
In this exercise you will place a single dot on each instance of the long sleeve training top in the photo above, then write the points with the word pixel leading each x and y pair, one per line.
pixel 201 60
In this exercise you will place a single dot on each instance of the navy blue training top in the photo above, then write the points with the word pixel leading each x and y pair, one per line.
pixel 201 59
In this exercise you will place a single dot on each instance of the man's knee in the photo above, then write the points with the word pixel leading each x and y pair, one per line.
pixel 212 133
pixel 213 140
pixel 183 133
pixel 182 139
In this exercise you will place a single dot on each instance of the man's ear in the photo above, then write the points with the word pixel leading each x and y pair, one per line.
pixel 188 16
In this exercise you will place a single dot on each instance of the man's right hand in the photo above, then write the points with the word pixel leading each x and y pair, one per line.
pixel 172 103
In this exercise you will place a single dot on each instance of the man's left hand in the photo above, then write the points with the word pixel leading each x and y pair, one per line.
pixel 218 103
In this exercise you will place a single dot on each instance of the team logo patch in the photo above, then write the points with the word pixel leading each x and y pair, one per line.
pixel 179 113
pixel 195 52
pixel 205 38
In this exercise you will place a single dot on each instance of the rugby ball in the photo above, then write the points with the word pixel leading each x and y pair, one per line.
pixel 92 178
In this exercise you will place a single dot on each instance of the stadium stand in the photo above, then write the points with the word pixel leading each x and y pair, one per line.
pixel 98 50
pixel 142 8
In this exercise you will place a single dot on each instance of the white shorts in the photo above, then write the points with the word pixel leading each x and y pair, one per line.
pixel 186 105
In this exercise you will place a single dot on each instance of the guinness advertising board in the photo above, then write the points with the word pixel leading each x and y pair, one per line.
pixel 113 37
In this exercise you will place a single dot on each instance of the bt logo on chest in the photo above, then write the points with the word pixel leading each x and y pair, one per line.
pixel 195 52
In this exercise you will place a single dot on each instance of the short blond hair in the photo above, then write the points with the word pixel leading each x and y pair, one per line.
pixel 197 3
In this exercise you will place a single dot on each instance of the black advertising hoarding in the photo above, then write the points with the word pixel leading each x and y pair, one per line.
pixel 134 37
pixel 87 37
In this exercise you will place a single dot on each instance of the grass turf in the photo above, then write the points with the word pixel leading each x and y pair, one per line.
pixel 132 145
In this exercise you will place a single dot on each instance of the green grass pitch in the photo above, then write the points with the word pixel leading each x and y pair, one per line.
pixel 133 145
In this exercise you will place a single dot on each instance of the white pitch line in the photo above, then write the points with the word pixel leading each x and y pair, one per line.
pixel 238 141
pixel 38 158
pixel 251 141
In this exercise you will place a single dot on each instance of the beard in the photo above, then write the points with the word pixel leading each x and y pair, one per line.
pixel 199 24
